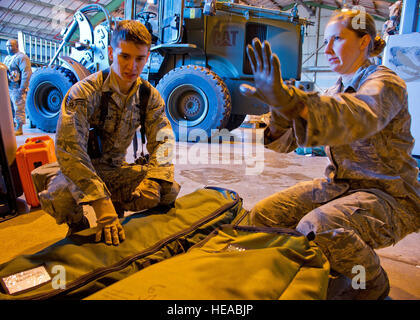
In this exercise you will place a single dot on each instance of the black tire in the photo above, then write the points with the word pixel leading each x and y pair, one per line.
pixel 47 88
pixel 196 96
pixel 235 121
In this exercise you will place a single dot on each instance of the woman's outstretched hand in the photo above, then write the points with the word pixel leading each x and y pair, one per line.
pixel 269 86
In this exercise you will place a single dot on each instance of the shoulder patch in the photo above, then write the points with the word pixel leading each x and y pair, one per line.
pixel 75 104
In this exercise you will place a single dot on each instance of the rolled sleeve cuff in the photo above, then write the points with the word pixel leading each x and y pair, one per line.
pixel 284 144
pixel 96 190
pixel 300 127
pixel 308 132
pixel 161 173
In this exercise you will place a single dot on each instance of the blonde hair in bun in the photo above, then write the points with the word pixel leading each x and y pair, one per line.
pixel 378 46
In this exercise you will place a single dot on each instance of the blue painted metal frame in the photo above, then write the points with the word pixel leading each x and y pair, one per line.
pixel 410 18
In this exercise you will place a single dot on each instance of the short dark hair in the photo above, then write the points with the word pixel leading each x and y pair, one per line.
pixel 131 30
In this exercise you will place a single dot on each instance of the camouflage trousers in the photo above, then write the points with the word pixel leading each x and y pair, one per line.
pixel 54 189
pixel 18 104
pixel 348 224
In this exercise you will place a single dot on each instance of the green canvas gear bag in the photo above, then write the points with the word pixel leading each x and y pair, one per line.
pixel 234 262
pixel 151 237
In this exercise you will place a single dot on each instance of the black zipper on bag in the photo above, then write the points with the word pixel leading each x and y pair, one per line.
pixel 275 230
pixel 254 229
pixel 122 264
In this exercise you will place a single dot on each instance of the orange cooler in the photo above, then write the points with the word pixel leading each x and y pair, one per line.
pixel 36 152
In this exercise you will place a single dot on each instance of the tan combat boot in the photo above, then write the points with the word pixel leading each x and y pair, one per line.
pixel 340 288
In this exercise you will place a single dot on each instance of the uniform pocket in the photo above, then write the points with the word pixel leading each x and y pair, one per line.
pixel 324 191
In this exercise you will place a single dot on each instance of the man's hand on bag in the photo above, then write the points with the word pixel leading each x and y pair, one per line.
pixel 107 221
pixel 269 86
pixel 147 193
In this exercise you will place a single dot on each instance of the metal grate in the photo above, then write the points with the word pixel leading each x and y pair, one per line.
pixel 39 50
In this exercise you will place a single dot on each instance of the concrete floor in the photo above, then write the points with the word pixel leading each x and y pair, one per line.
pixel 250 170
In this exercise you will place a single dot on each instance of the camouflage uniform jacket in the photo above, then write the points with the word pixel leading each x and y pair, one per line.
pixel 20 63
pixel 81 110
pixel 365 127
